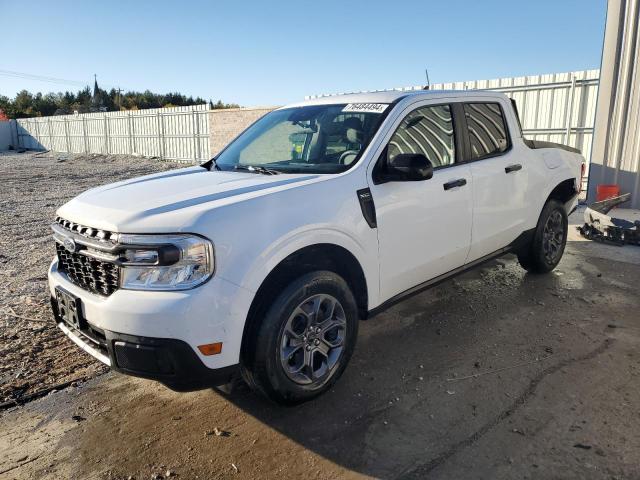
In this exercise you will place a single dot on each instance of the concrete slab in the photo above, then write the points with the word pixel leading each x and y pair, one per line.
pixel 497 374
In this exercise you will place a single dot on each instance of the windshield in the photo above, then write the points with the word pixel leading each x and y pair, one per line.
pixel 310 139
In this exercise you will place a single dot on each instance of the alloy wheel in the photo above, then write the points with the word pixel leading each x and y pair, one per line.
pixel 553 237
pixel 313 340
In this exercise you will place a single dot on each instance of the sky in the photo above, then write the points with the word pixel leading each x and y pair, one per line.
pixel 256 52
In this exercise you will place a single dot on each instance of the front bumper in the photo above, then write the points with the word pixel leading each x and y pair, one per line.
pixel 155 334
pixel 169 361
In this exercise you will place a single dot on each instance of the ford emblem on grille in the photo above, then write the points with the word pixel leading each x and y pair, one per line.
pixel 69 244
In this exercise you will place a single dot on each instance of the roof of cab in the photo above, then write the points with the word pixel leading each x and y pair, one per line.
pixel 392 96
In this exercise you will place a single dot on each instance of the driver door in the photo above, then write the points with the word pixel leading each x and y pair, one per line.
pixel 424 227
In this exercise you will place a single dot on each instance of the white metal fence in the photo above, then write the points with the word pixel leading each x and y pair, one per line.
pixel 176 133
pixel 557 107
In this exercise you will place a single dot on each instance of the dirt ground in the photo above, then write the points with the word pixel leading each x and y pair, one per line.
pixel 496 374
pixel 36 355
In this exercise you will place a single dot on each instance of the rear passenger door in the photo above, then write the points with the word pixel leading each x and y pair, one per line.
pixel 500 178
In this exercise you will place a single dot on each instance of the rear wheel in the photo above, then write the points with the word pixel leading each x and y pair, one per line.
pixel 549 240
pixel 305 340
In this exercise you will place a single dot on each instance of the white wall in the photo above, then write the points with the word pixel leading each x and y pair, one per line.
pixel 616 142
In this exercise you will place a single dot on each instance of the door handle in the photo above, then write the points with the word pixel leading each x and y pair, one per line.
pixel 512 168
pixel 455 183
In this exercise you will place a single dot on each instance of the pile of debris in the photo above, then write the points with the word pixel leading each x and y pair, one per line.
pixel 602 227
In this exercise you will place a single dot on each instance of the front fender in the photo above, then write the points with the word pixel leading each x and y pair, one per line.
pixel 274 254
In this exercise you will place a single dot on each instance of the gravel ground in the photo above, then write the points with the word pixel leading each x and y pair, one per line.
pixel 35 355
pixel 496 374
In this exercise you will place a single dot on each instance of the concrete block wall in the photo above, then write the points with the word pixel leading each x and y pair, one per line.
pixel 225 125
pixel 7 135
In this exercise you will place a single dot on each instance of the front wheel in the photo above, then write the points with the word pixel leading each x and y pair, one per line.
pixel 549 240
pixel 305 340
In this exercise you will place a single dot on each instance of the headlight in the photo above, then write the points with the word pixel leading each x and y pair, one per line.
pixel 165 262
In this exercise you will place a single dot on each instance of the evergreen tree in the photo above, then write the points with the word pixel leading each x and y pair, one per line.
pixel 26 104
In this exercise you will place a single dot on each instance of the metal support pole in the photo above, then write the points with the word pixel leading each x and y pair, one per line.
pixel 37 134
pixel 50 134
pixel 569 111
pixel 524 98
pixel 161 136
pixel 198 133
pixel 536 108
pixel 133 134
pixel 196 139
pixel 106 133
pixel 130 132
pixel 66 134
pixel 552 99
pixel 85 139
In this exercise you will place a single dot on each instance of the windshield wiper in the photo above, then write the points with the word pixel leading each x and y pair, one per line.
pixel 256 169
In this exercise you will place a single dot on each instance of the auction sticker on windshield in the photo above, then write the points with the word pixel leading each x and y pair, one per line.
pixel 366 107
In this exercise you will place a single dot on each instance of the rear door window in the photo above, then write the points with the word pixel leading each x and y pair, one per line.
pixel 487 129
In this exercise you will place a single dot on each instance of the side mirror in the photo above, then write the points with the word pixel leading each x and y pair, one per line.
pixel 409 167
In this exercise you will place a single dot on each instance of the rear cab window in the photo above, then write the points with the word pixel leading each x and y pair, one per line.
pixel 487 129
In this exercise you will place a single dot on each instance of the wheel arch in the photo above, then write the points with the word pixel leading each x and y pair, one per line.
pixel 321 256
pixel 565 191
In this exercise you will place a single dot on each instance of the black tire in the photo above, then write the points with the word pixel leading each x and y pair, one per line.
pixel 280 331
pixel 549 240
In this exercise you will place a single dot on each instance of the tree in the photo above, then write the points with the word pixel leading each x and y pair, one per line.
pixel 45 105
pixel 26 104
pixel 23 104
pixel 6 105
pixel 84 97
pixel 219 105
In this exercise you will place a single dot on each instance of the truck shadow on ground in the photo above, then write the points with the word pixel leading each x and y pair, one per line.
pixel 442 385
pixel 469 379
pixel 408 400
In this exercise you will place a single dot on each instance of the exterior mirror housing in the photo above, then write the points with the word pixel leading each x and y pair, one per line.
pixel 409 167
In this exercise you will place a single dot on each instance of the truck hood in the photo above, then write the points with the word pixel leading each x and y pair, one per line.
pixel 118 206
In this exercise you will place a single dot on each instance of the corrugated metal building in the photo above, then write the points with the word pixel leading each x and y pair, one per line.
pixel 615 155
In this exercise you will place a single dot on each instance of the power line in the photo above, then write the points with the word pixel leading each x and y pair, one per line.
pixel 45 79
pixel 41 78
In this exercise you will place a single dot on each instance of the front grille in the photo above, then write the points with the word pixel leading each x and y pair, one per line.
pixel 88 232
pixel 88 273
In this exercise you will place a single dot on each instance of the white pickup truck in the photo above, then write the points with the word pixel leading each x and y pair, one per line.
pixel 263 260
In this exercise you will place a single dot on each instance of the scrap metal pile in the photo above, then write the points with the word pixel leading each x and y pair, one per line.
pixel 602 227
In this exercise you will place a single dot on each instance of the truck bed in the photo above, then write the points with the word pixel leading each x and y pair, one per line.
pixel 537 144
